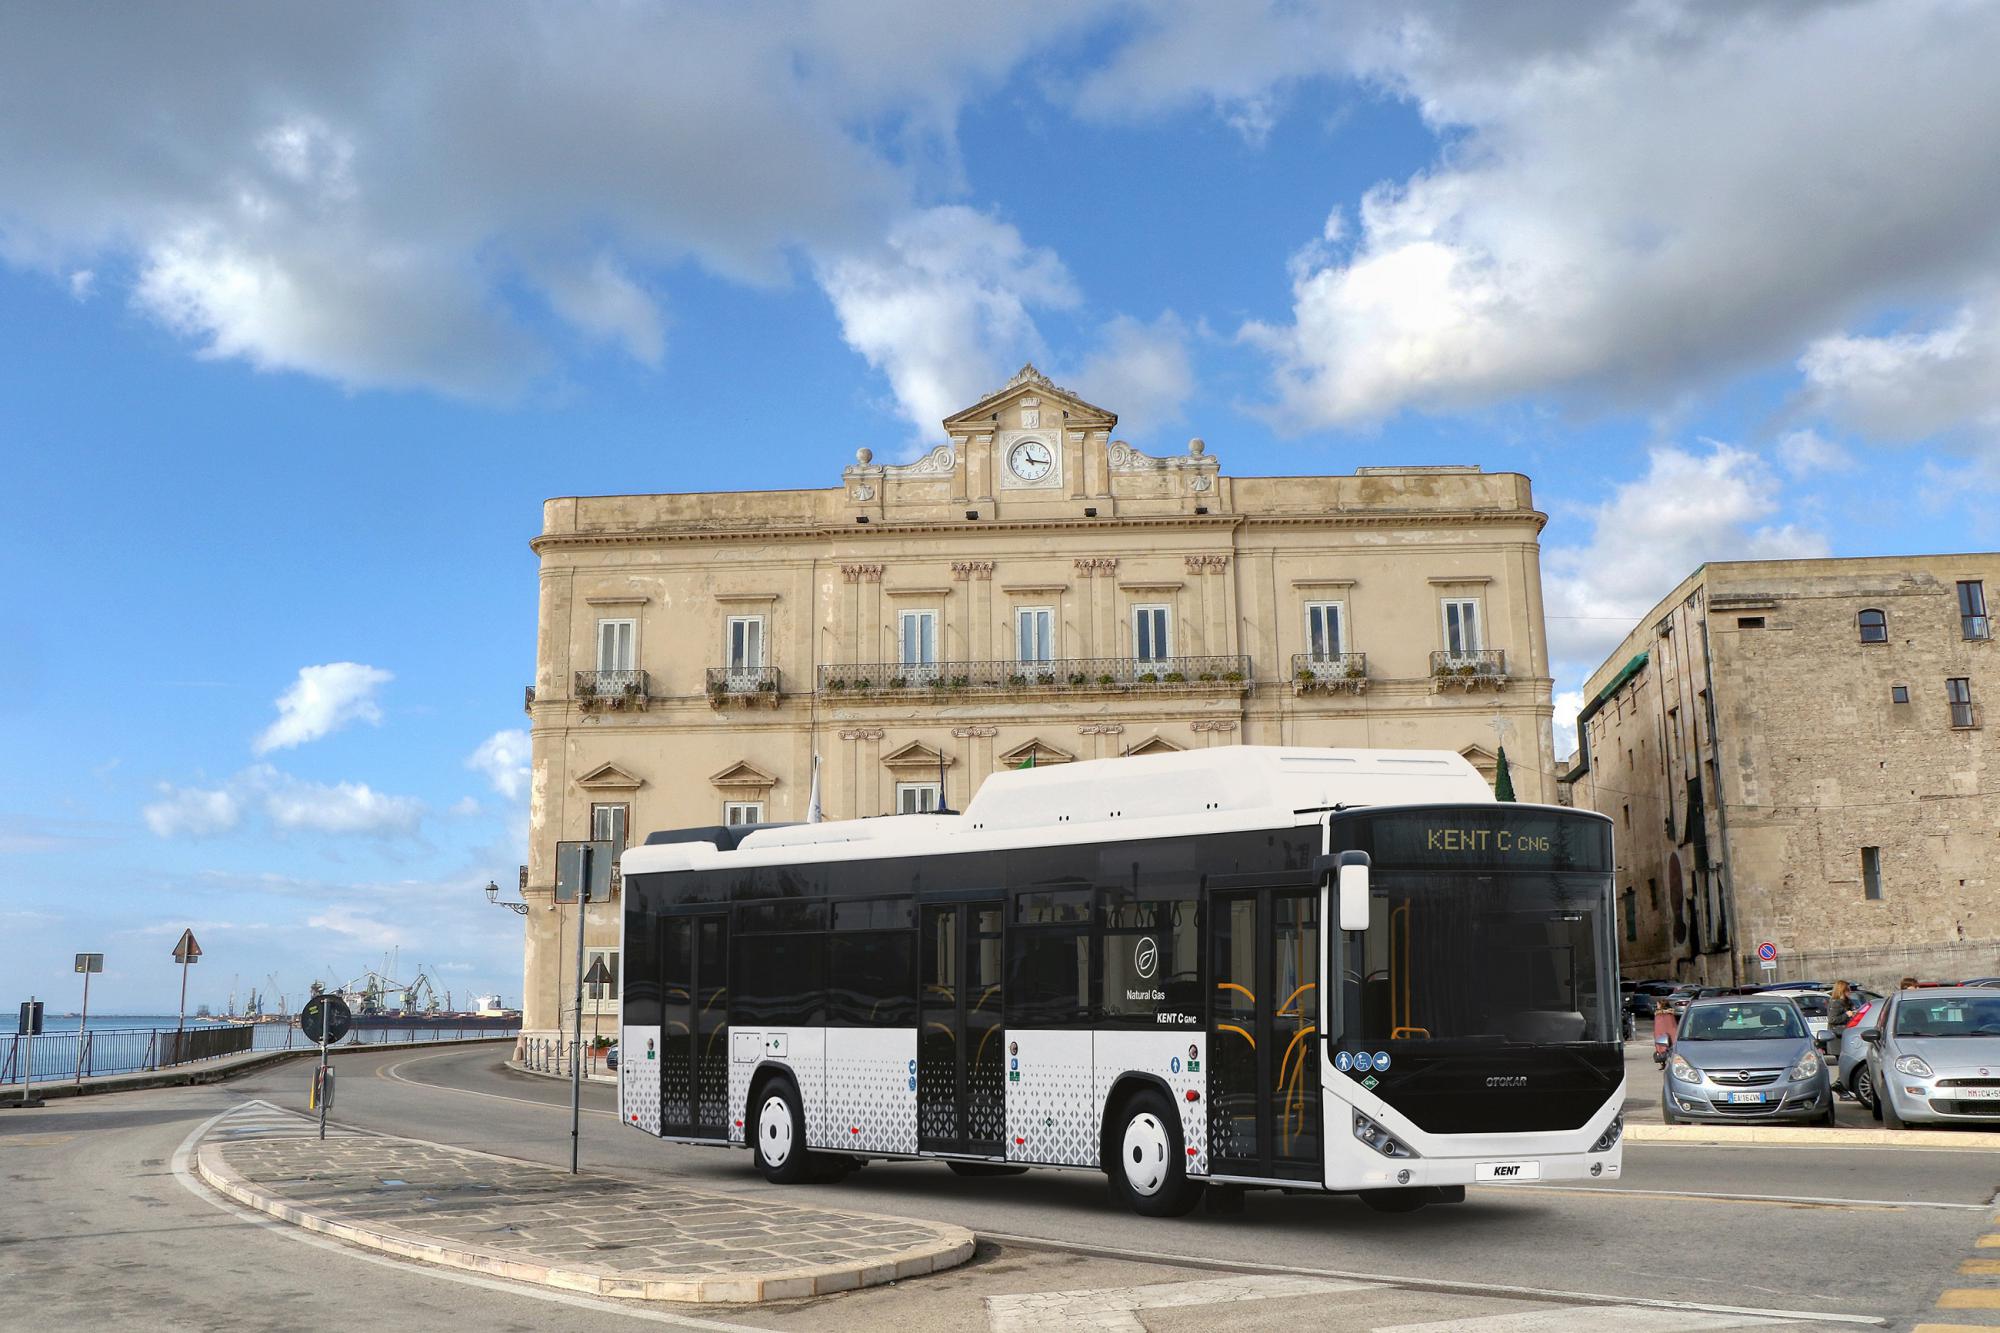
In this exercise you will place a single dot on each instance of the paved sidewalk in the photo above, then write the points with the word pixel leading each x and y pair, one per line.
pixel 597 1234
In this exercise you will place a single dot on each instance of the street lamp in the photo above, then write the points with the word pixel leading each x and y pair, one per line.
pixel 493 896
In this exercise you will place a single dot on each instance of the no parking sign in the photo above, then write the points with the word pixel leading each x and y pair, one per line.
pixel 1767 956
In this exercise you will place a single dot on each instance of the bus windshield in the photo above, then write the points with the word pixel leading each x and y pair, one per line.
pixel 1484 958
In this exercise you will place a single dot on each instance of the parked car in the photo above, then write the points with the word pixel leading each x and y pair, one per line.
pixel 1746 1058
pixel 1811 1003
pixel 1934 1057
pixel 1850 1053
pixel 611 1057
pixel 1677 998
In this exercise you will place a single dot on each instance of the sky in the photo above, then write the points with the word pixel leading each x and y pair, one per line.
pixel 304 310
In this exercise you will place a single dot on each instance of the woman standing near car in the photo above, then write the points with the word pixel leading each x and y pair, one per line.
pixel 1839 1008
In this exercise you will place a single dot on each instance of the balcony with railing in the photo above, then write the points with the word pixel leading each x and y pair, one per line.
pixel 1329 673
pixel 1468 670
pixel 743 685
pixel 1226 674
pixel 599 691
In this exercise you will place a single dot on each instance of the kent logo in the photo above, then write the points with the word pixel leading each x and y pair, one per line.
pixel 1506 1171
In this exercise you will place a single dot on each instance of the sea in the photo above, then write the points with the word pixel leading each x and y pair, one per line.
pixel 264 1036
pixel 121 1043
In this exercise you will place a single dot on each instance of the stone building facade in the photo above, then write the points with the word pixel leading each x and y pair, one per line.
pixel 1795 751
pixel 1029 588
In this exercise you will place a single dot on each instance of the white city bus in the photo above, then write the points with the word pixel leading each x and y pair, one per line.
pixel 1120 966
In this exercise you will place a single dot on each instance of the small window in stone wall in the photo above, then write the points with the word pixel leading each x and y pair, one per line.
pixel 1874 627
pixel 1871 873
pixel 1899 694
pixel 1749 622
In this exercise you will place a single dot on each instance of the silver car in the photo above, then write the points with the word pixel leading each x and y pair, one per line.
pixel 1935 1056
pixel 1746 1058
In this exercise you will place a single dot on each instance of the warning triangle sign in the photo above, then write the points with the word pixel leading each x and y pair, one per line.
pixel 187 950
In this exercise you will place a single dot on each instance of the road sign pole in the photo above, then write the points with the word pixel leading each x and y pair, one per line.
pixel 185 960
pixel 83 1028
pixel 321 1098
pixel 576 1049
pixel 28 1068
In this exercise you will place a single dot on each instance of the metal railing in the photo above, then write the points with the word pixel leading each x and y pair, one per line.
pixel 1469 670
pixel 1329 673
pixel 743 685
pixel 73 1055
pixel 1229 674
pixel 557 1055
pixel 611 689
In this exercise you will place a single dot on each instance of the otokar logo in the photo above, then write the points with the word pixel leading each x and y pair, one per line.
pixel 1146 957
pixel 1507 1081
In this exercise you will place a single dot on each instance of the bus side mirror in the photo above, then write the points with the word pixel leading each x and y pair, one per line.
pixel 1354 897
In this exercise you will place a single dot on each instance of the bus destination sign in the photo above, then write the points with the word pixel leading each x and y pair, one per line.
pixel 1464 839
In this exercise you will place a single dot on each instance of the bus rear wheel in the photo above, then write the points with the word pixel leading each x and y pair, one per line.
pixel 1149 1170
pixel 781 1135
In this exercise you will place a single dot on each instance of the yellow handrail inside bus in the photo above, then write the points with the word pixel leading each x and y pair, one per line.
pixel 983 997
pixel 1399 1017
pixel 1231 1027
pixel 980 1054
pixel 1396 1033
pixel 945 1028
pixel 1285 1009
pixel 1230 985
pixel 1293 1085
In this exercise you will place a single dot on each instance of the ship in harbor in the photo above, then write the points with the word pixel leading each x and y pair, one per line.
pixel 378 1000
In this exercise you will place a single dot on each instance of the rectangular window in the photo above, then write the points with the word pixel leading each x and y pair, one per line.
pixel 1326 629
pixel 614 644
pixel 916 798
pixel 872 962
pixel 1151 958
pixel 917 640
pixel 1461 627
pixel 1631 916
pixel 601 996
pixel 742 812
pixel 608 824
pixel 779 978
pixel 1871 873
pixel 1749 622
pixel 1972 620
pixel 746 644
pixel 1899 694
pixel 1653 894
pixel 1035 634
pixel 1149 634
pixel 1958 693
pixel 1048 960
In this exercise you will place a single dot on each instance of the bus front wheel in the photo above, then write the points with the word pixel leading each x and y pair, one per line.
pixel 781 1135
pixel 1150 1169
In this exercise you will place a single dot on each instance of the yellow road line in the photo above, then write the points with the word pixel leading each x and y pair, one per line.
pixel 1970 1298
pixel 1952 1328
pixel 1990 1241
pixel 1980 1267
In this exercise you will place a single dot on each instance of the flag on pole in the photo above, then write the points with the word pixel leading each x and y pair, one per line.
pixel 1029 762
pixel 943 806
pixel 814 814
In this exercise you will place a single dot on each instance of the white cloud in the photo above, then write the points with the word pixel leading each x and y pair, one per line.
pixel 604 301
pixel 465 807
pixel 1140 371
pixel 1573 239
pixel 1913 385
pixel 82 282
pixel 942 307
pixel 504 758
pixel 322 701
pixel 1688 508
pixel 1568 703
pixel 193 812
pixel 1807 453
pixel 364 931
pixel 340 807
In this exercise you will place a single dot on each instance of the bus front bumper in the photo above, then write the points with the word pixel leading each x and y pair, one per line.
pixel 1593 1152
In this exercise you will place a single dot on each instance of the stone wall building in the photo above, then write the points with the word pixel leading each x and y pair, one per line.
pixel 1030 588
pixel 1795 751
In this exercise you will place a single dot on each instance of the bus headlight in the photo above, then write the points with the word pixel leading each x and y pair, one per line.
pixel 1380 1139
pixel 1612 1133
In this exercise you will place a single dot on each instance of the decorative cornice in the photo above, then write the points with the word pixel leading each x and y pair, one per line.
pixel 861 734
pixel 732 597
pixel 1022 588
pixel 1458 580
pixel 963 732
pixel 916 592
pixel 971 569
pixel 1101 729
pixel 1207 564
pixel 1097 566
pixel 1213 724
pixel 1151 585
pixel 618 599
pixel 861 573
pixel 1322 583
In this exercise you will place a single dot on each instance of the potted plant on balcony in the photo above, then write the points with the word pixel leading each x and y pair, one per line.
pixel 1078 680
pixel 1107 679
pixel 1307 678
pixel 862 684
pixel 836 684
pixel 1208 677
pixel 1355 671
pixel 1046 678
pixel 1017 680
pixel 898 682
pixel 1148 678
pixel 1176 678
pixel 1233 677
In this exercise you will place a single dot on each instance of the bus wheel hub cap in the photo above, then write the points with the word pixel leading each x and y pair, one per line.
pixel 774 1131
pixel 1147 1153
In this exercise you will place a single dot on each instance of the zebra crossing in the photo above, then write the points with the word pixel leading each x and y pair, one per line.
pixel 266 1120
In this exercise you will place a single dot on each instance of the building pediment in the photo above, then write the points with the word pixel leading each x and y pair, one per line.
pixel 1060 406
pixel 1153 745
pixel 916 757
pixel 743 775
pixel 1039 750
pixel 609 777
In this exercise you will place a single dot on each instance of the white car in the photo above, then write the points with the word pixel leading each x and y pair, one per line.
pixel 1811 1003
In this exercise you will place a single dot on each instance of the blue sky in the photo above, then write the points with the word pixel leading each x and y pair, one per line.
pixel 304 312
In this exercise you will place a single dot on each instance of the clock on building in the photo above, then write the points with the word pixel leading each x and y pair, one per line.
pixel 1030 460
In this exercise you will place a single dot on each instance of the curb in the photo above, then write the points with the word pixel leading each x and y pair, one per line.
pixel 953 1247
pixel 1806 1136
pixel 607 1080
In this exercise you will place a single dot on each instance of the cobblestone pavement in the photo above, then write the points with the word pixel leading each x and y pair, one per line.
pixel 587 1232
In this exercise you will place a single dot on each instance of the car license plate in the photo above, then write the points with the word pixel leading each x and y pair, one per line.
pixel 1973 1094
pixel 1503 1172
pixel 1746 1099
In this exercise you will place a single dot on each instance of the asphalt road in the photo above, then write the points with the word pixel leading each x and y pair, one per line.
pixel 97 1230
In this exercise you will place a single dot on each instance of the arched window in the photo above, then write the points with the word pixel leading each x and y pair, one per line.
pixel 1874 627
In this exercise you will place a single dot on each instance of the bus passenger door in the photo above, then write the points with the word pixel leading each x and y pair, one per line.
pixel 694 1026
pixel 961 1043
pixel 1263 1034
